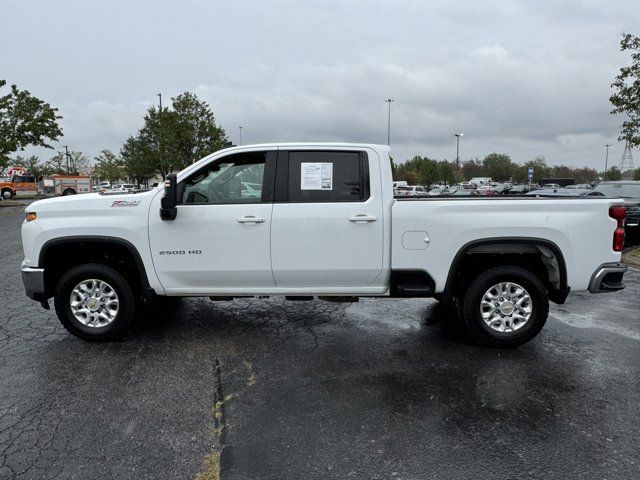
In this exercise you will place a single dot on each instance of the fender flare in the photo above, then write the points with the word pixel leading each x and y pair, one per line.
pixel 557 295
pixel 142 272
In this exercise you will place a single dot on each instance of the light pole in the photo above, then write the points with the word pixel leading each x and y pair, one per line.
pixel 160 100
pixel 458 135
pixel 606 158
pixel 389 100
pixel 66 155
pixel 240 129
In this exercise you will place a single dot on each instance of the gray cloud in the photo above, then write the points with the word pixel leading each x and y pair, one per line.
pixel 528 78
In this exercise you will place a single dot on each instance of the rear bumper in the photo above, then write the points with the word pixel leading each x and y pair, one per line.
pixel 607 278
pixel 33 279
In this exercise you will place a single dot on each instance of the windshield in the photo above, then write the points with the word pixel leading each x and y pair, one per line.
pixel 625 190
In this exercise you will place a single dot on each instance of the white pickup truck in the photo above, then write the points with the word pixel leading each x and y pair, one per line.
pixel 307 219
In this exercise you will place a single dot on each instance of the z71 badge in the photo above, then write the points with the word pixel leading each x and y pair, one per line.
pixel 125 203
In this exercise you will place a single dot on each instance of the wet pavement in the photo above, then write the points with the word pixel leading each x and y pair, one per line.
pixel 272 389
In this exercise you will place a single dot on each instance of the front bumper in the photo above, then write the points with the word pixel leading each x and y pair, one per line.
pixel 607 278
pixel 33 279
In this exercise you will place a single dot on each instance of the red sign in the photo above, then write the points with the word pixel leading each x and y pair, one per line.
pixel 16 171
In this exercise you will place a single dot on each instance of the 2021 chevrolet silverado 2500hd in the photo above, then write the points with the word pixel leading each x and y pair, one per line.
pixel 305 220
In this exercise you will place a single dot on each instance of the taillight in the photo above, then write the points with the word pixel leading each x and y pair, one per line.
pixel 618 213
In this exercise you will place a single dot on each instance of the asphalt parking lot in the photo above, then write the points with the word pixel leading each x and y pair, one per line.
pixel 272 389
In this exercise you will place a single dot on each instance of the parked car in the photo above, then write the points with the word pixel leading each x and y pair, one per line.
pixel 579 186
pixel 451 190
pixel 503 188
pixel 463 192
pixel 519 189
pixel 124 187
pixel 564 192
pixel 551 185
pixel 486 191
pixel 629 191
pixel 329 226
pixel 104 185
pixel 411 191
pixel 435 191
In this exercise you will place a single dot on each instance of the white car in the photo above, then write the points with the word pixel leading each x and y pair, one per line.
pixel 326 224
pixel 124 187
pixel 411 191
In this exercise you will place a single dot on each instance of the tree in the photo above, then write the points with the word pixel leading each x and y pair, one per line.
pixel 57 164
pixel 139 163
pixel 626 98
pixel 636 174
pixel 173 138
pixel 612 174
pixel 25 120
pixel 32 165
pixel 498 166
pixel 108 166
pixel 197 132
pixel 77 163
pixel 448 172
pixel 473 168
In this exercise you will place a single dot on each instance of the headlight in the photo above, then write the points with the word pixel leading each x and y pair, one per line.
pixel 30 216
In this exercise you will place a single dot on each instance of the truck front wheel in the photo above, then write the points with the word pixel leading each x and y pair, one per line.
pixel 7 194
pixel 505 306
pixel 69 191
pixel 95 302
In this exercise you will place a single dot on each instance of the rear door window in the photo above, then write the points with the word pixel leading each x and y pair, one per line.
pixel 325 176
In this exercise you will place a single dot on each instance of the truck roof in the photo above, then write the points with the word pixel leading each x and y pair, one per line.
pixel 373 146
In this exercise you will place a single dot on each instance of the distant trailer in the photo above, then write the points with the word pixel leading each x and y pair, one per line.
pixel 66 184
pixel 563 182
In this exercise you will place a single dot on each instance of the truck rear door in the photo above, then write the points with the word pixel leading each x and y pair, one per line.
pixel 327 226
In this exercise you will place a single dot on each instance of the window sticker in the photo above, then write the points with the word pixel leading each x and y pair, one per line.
pixel 316 176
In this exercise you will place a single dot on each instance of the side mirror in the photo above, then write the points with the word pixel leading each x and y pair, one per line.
pixel 168 210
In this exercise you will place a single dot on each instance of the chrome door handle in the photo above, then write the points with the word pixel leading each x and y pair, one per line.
pixel 250 219
pixel 361 217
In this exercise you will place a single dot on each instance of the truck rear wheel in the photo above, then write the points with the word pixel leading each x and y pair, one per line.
pixel 69 191
pixel 95 302
pixel 505 306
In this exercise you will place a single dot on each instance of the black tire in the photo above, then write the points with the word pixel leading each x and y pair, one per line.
pixel 472 316
pixel 69 191
pixel 7 194
pixel 123 320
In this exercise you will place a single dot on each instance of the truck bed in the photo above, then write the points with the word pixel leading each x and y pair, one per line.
pixel 429 231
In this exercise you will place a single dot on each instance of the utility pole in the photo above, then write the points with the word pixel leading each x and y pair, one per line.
pixel 240 129
pixel 66 154
pixel 606 157
pixel 389 100
pixel 160 100
pixel 458 135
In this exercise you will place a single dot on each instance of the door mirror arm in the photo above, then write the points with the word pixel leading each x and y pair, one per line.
pixel 168 208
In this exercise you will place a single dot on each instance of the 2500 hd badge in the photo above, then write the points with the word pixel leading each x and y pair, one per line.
pixel 180 252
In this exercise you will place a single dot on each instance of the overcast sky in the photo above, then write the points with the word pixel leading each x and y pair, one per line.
pixel 523 77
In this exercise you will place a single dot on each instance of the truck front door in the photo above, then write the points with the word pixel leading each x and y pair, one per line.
pixel 220 239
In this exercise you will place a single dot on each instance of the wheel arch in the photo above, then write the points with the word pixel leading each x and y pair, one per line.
pixel 90 248
pixel 557 293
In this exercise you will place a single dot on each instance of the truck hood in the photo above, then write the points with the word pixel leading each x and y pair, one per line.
pixel 81 205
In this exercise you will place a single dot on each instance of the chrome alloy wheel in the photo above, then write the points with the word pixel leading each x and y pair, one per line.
pixel 94 303
pixel 506 307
